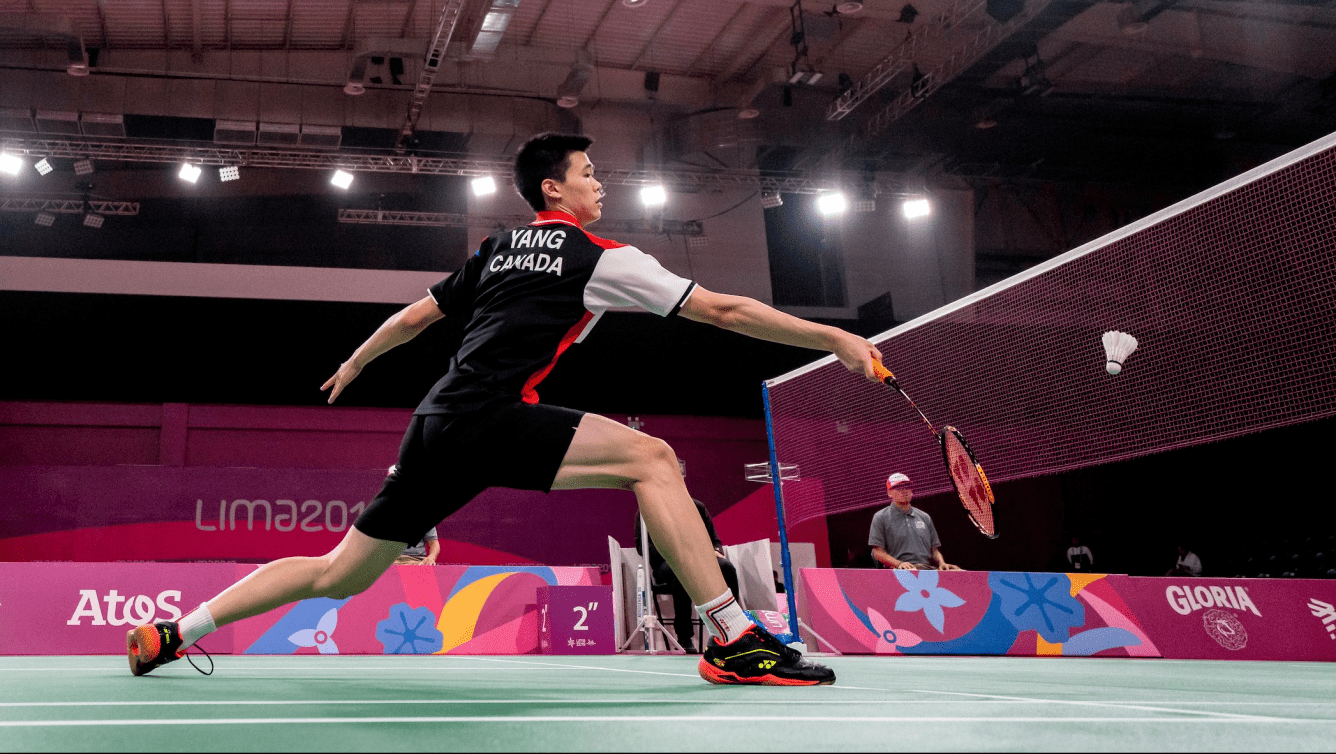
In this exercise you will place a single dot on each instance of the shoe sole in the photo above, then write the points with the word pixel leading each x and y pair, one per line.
pixel 141 646
pixel 725 678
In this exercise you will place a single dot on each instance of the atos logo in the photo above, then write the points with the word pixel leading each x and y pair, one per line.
pixel 1187 599
pixel 128 610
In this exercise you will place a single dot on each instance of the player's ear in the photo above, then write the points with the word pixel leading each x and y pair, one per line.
pixel 551 189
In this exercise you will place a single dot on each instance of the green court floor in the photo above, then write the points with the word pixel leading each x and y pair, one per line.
pixel 639 703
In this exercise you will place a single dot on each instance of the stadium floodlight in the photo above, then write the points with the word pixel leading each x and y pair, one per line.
pixel 484 186
pixel 342 178
pixel 229 173
pixel 653 196
pixel 45 219
pixel 94 221
pixel 190 173
pixel 771 199
pixel 10 163
pixel 43 166
pixel 831 203
pixel 83 167
pixel 916 208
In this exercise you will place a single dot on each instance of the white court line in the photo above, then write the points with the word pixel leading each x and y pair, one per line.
pixel 1112 705
pixel 637 719
pixel 540 664
pixel 599 701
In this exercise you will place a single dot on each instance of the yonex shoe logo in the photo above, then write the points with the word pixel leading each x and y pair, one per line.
pixel 766 664
pixel 719 662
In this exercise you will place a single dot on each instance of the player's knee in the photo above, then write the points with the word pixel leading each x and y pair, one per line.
pixel 655 460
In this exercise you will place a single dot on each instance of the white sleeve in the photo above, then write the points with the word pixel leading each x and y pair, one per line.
pixel 627 276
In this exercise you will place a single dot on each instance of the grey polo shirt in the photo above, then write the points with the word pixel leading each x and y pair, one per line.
pixel 905 536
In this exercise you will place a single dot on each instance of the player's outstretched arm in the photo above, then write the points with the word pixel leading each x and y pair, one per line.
pixel 751 317
pixel 398 329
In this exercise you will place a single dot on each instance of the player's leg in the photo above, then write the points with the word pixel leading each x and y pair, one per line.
pixel 607 454
pixel 348 569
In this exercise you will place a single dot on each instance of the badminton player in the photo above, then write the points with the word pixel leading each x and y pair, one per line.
pixel 525 296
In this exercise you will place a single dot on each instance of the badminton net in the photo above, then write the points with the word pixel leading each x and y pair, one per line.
pixel 1231 293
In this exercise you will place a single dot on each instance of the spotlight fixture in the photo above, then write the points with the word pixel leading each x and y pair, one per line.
pixel 865 205
pixel 771 199
pixel 44 219
pixel 697 242
pixel 653 196
pixel 229 173
pixel 848 7
pixel 190 173
pixel 83 167
pixel 43 166
pixel 10 163
pixel 94 221
pixel 831 203
pixel 484 186
pixel 634 3
pixel 342 179
pixel 916 208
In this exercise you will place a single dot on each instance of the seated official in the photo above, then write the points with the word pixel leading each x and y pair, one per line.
pixel 903 536
pixel 683 609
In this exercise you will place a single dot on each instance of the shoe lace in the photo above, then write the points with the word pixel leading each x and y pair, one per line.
pixel 772 642
pixel 196 667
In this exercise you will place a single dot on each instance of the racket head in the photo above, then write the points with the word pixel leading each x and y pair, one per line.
pixel 971 484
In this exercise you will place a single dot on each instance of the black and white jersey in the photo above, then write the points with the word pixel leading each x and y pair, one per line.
pixel 530 293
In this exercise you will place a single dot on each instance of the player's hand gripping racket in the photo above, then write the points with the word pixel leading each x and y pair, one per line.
pixel 966 474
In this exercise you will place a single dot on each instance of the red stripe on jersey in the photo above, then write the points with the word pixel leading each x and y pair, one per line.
pixel 555 215
pixel 605 243
pixel 529 394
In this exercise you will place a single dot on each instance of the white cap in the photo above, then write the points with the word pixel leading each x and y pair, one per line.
pixel 896 479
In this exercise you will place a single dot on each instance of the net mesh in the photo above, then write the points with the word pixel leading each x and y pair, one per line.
pixel 1230 294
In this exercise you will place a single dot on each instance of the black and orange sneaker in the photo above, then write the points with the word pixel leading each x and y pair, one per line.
pixel 151 646
pixel 757 657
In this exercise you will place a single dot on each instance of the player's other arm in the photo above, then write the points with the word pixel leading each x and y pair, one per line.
pixel 751 317
pixel 400 328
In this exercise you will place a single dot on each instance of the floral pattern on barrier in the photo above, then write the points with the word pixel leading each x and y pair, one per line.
pixel 418 610
pixel 965 612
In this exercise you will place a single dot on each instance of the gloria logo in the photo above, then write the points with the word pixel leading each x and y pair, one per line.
pixel 1187 599
pixel 127 610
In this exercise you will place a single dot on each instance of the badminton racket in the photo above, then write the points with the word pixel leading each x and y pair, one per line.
pixel 966 474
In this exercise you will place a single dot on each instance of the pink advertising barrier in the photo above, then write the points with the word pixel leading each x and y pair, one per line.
pixel 86 608
pixel 1058 614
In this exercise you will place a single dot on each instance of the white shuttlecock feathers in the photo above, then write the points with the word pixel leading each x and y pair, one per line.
pixel 1117 347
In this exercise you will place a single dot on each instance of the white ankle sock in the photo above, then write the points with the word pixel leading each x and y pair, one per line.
pixel 196 624
pixel 724 618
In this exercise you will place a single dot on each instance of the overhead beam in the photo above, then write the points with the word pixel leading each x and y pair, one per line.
pixel 430 65
pixel 385 161
pixel 451 220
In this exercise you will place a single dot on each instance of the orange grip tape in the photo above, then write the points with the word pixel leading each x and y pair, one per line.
pixel 882 372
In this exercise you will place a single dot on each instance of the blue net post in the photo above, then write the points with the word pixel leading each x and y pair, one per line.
pixel 790 589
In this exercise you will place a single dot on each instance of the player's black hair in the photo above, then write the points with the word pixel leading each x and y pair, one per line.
pixel 546 155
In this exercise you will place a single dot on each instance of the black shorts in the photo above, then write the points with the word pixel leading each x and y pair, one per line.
pixel 446 461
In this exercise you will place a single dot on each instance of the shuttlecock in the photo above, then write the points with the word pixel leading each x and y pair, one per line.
pixel 1117 347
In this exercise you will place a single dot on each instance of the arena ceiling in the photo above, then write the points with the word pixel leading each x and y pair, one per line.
pixel 1185 91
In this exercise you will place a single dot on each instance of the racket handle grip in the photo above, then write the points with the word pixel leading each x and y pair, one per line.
pixel 884 374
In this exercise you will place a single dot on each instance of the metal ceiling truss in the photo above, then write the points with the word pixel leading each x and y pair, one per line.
pixel 449 220
pixel 68 206
pixel 961 58
pixel 900 61
pixel 390 162
pixel 435 53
